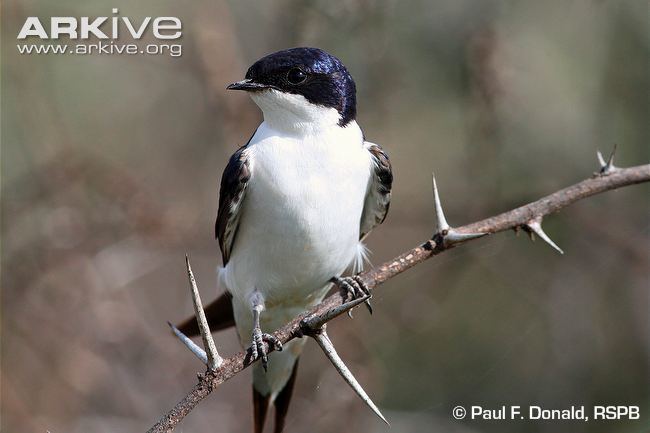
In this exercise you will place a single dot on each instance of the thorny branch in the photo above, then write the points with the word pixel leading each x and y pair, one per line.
pixel 312 323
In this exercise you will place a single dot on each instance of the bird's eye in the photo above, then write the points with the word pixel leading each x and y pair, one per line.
pixel 296 76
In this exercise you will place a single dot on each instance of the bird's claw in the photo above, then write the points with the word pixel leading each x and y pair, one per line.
pixel 260 349
pixel 354 288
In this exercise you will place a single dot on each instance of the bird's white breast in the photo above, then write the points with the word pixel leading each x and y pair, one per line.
pixel 300 219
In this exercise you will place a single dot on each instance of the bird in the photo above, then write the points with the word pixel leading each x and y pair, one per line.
pixel 296 203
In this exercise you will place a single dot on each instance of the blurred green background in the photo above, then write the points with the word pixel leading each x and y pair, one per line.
pixel 110 168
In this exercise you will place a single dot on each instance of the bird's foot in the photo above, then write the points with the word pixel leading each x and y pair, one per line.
pixel 355 288
pixel 260 349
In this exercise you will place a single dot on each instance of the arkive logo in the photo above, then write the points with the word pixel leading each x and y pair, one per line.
pixel 82 28
pixel 107 30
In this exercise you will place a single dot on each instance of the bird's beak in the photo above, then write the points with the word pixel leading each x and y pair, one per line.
pixel 247 84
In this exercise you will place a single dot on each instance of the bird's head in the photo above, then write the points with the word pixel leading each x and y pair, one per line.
pixel 301 86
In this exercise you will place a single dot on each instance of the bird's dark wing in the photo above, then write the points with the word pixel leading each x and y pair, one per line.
pixel 231 195
pixel 377 201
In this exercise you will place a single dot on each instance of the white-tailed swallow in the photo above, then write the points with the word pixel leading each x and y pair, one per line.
pixel 295 204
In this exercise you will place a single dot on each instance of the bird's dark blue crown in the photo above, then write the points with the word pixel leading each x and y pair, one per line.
pixel 311 72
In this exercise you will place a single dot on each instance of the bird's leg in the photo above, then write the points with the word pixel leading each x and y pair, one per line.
pixel 355 288
pixel 258 348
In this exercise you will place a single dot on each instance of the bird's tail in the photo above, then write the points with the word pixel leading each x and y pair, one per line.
pixel 219 314
pixel 262 402
pixel 275 386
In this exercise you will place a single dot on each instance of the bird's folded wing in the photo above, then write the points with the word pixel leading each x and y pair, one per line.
pixel 377 201
pixel 231 196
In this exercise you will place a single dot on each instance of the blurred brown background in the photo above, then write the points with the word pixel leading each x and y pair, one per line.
pixel 110 167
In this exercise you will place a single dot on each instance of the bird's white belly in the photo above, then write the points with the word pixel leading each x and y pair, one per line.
pixel 300 219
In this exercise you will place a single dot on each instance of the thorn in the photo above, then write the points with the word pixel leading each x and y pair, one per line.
pixel 606 167
pixel 442 227
pixel 454 237
pixel 194 348
pixel 535 228
pixel 328 348
pixel 214 360
pixel 449 235
pixel 317 321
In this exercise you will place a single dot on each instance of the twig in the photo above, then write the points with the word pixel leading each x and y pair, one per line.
pixel 521 217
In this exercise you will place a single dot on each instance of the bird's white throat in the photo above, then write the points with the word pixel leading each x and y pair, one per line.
pixel 293 113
